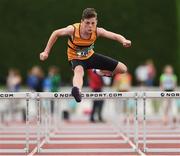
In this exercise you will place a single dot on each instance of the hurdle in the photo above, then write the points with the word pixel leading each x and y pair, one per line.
pixel 27 130
pixel 19 95
pixel 88 95
pixel 157 94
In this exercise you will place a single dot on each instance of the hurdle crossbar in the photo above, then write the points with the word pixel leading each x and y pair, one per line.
pixel 89 95
pixel 15 95
pixel 159 94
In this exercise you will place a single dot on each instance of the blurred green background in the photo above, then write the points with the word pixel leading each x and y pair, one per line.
pixel 152 26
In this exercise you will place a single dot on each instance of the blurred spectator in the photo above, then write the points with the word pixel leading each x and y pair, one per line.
pixel 13 83
pixel 122 83
pixel 168 82
pixel 55 78
pixel 14 80
pixel 96 84
pixel 151 72
pixel 141 74
pixel 35 79
pixel 52 82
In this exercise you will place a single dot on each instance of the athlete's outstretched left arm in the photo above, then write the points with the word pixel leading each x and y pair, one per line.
pixel 101 32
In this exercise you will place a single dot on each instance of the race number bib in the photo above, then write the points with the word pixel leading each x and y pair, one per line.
pixel 84 52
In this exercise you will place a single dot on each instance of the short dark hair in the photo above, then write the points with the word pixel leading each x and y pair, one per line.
pixel 89 13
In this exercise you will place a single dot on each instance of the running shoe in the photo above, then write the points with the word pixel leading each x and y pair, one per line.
pixel 76 94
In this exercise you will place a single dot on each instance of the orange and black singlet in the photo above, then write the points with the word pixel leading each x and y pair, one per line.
pixel 79 48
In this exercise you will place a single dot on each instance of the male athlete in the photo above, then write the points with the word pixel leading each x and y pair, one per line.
pixel 81 56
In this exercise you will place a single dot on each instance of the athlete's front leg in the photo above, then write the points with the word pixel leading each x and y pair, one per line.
pixel 77 82
pixel 78 76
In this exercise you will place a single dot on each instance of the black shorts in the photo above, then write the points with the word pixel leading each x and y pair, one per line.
pixel 96 61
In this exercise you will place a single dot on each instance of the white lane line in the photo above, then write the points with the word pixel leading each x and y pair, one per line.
pixel 36 148
pixel 129 141
pixel 132 144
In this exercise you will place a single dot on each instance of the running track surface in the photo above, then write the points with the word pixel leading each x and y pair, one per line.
pixel 84 138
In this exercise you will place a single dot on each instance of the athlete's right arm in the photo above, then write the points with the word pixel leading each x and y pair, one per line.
pixel 67 31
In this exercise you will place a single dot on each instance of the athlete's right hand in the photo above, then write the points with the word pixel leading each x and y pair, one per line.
pixel 126 43
pixel 43 56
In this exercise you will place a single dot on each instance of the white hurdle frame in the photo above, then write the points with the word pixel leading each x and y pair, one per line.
pixel 91 95
pixel 88 95
pixel 19 95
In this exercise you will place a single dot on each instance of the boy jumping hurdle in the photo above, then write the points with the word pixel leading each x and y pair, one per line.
pixel 81 56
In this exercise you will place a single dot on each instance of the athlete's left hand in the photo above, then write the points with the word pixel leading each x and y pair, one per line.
pixel 126 43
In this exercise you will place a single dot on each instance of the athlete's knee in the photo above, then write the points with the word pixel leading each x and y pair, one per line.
pixel 124 68
pixel 121 68
pixel 79 70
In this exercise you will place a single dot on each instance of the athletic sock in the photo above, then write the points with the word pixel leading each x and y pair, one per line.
pixel 100 73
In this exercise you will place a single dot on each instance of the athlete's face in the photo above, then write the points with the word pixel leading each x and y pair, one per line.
pixel 89 25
